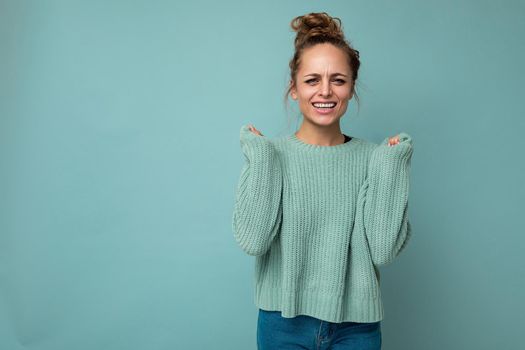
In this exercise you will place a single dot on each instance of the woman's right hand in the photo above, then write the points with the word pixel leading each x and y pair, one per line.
pixel 254 130
pixel 254 144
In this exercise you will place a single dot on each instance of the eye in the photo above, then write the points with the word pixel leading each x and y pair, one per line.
pixel 340 81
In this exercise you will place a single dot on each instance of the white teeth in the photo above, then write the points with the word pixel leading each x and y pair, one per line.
pixel 324 105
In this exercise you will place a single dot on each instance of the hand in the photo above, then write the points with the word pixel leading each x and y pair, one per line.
pixel 392 141
pixel 253 130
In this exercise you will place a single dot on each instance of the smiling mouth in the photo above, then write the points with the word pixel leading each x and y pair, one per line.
pixel 322 105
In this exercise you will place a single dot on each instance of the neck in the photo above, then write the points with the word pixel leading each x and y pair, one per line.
pixel 322 136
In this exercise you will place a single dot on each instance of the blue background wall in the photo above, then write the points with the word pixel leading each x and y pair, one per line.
pixel 120 156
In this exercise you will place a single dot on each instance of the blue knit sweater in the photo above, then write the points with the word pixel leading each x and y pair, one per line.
pixel 320 220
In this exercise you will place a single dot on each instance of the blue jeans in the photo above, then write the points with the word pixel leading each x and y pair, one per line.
pixel 275 332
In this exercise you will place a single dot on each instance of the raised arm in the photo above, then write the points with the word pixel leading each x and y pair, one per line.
pixel 386 223
pixel 257 211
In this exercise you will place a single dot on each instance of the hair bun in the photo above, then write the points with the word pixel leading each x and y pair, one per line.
pixel 320 25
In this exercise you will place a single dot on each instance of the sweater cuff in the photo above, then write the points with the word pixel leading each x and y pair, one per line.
pixel 246 134
pixel 254 145
pixel 398 153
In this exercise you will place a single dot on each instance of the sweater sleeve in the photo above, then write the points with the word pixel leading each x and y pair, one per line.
pixel 257 212
pixel 386 223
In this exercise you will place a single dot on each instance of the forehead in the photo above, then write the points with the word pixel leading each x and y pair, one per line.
pixel 324 57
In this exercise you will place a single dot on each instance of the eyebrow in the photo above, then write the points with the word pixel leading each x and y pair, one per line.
pixel 316 74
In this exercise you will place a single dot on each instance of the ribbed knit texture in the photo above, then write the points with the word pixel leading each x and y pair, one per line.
pixel 320 221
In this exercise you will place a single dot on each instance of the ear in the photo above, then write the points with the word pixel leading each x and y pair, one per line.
pixel 293 90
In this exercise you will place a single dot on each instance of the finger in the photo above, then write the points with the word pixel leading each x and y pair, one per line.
pixel 393 140
pixel 254 130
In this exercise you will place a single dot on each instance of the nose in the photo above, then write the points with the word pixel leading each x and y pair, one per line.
pixel 325 89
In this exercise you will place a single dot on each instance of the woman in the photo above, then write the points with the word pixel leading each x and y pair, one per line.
pixel 320 210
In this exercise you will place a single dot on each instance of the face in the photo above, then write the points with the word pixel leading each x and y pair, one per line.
pixel 323 76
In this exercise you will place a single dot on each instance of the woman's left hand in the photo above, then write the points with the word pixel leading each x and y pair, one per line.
pixel 393 140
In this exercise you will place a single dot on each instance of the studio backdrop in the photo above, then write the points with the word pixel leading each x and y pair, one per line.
pixel 119 150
